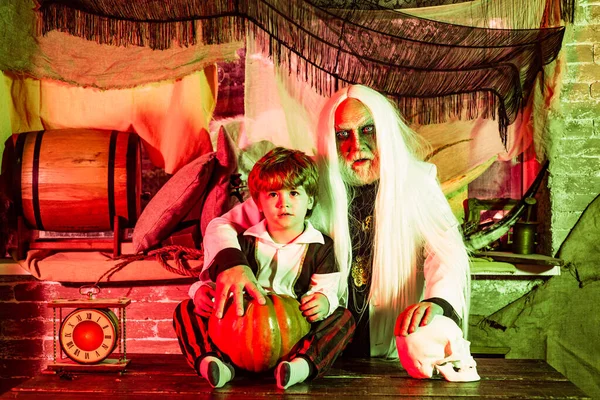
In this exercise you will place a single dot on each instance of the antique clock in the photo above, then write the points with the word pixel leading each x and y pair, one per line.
pixel 90 333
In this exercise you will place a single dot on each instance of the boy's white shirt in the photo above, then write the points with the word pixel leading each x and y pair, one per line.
pixel 290 258
pixel 279 265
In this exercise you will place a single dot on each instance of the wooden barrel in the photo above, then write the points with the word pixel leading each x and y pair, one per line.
pixel 77 180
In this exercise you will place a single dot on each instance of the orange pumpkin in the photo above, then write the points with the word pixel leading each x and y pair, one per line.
pixel 257 340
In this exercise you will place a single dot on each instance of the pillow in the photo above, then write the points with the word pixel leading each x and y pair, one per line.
pixel 217 200
pixel 173 202
pixel 251 154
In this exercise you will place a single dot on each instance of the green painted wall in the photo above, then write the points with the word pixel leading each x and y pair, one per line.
pixel 556 319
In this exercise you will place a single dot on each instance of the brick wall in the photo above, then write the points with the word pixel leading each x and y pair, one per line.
pixel 26 327
pixel 575 131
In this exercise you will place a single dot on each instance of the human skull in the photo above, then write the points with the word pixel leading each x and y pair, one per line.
pixel 437 347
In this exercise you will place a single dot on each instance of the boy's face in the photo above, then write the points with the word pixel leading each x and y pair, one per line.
pixel 285 209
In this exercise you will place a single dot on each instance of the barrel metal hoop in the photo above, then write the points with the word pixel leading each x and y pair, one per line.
pixel 17 179
pixel 111 176
pixel 133 149
pixel 35 189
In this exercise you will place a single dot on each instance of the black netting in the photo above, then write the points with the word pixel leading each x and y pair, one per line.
pixel 433 70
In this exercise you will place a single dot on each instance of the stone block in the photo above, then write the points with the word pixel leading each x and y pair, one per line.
pixel 144 346
pixel 588 147
pixel 165 330
pixel 579 53
pixel 565 218
pixel 575 91
pixel 581 110
pixel 559 235
pixel 583 33
pixel 141 329
pixel 18 311
pixel 568 202
pixel 574 128
pixel 595 87
pixel 573 166
pixel 20 348
pixel 589 72
pixel 26 328
pixel 575 184
pixel 6 292
pixel 151 311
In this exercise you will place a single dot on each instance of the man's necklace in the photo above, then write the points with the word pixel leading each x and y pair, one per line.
pixel 361 277
pixel 361 273
pixel 361 268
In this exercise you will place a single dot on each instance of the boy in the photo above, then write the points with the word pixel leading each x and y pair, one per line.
pixel 287 255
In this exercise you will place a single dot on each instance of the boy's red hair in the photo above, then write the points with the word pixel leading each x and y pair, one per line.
pixel 283 168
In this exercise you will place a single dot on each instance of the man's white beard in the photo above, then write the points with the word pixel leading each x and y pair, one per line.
pixel 364 176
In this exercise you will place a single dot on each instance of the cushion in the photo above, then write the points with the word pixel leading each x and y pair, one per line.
pixel 173 202
pixel 218 197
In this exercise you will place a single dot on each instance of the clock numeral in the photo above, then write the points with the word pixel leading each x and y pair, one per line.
pixel 76 352
pixel 70 344
pixel 87 355
pixel 88 315
pixel 104 346
pixel 105 327
pixel 68 334
pixel 99 318
pixel 71 325
pixel 97 354
pixel 107 336
pixel 79 319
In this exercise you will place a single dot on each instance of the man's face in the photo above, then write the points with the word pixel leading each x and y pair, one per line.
pixel 356 143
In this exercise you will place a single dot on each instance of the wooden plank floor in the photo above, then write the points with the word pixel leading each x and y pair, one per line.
pixel 168 377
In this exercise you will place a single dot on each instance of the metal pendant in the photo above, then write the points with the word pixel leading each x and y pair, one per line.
pixel 361 273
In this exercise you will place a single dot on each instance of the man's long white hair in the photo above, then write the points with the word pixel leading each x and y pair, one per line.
pixel 413 219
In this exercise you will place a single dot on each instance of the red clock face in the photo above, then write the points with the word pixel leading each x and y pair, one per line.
pixel 88 336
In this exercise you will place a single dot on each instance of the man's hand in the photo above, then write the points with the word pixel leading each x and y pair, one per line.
pixel 235 280
pixel 419 314
pixel 203 300
pixel 314 306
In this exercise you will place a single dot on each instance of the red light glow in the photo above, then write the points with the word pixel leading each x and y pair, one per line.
pixel 88 335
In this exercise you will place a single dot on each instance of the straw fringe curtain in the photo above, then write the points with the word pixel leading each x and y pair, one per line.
pixel 433 70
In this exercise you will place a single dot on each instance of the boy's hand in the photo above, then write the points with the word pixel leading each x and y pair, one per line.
pixel 314 306
pixel 235 280
pixel 203 300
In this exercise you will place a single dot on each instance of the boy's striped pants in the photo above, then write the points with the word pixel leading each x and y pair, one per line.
pixel 321 346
